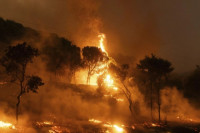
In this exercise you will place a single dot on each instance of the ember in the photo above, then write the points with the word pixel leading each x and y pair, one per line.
pixel 95 121
pixel 44 123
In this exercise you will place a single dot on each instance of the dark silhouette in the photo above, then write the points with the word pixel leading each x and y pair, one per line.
pixel 192 86
pixel 93 57
pixel 15 62
pixel 11 31
pixel 121 74
pixel 156 69
pixel 61 55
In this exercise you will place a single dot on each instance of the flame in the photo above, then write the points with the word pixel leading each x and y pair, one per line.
pixel 101 41
pixel 118 129
pixel 95 121
pixel 102 69
pixel 6 125
pixel 108 80
pixel 44 123
pixel 115 88
pixel 120 99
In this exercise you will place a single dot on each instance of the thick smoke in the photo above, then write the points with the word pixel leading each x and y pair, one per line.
pixel 176 107
pixel 82 20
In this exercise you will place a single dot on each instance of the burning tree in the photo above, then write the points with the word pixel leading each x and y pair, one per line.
pixel 93 58
pixel 156 70
pixel 15 62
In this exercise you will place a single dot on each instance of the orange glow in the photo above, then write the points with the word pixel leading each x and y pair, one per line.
pixel 6 125
pixel 95 121
pixel 120 100
pixel 108 80
pixel 44 123
pixel 101 42
pixel 118 129
pixel 115 88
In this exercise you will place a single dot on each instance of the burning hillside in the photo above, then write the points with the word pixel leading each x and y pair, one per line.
pixel 95 78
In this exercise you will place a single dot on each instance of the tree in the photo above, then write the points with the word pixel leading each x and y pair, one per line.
pixel 61 55
pixel 156 69
pixel 93 57
pixel 15 62
pixel 121 74
pixel 192 86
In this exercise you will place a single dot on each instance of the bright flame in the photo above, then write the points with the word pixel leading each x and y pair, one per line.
pixel 115 88
pixel 108 80
pixel 102 37
pixel 6 125
pixel 118 129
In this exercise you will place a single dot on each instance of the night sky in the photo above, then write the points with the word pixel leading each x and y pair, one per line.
pixel 135 28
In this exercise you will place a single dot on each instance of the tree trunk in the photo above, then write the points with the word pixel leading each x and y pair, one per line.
pixel 22 90
pixel 88 78
pixel 151 95
pixel 19 97
pixel 17 106
pixel 130 107
pixel 158 93
pixel 19 100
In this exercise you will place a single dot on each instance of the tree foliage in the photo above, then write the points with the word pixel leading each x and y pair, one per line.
pixel 60 54
pixel 192 86
pixel 93 57
pixel 15 62
pixel 155 70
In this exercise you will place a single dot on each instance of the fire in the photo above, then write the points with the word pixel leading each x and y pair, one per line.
pixel 108 80
pixel 102 37
pixel 120 99
pixel 95 121
pixel 118 129
pixel 115 128
pixel 115 88
pixel 6 125
pixel 44 123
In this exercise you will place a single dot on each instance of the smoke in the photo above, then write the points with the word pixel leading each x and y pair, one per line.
pixel 130 26
pixel 81 21
pixel 176 107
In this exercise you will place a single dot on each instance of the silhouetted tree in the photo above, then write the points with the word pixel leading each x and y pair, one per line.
pixel 93 57
pixel 156 69
pixel 60 55
pixel 15 62
pixel 192 86
pixel 121 74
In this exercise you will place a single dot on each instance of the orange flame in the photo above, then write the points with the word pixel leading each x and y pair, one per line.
pixel 101 42
pixel 6 125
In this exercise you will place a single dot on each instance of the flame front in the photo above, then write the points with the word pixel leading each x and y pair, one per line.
pixel 108 79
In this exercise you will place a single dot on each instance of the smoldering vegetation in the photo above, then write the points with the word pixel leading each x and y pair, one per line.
pixel 66 99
